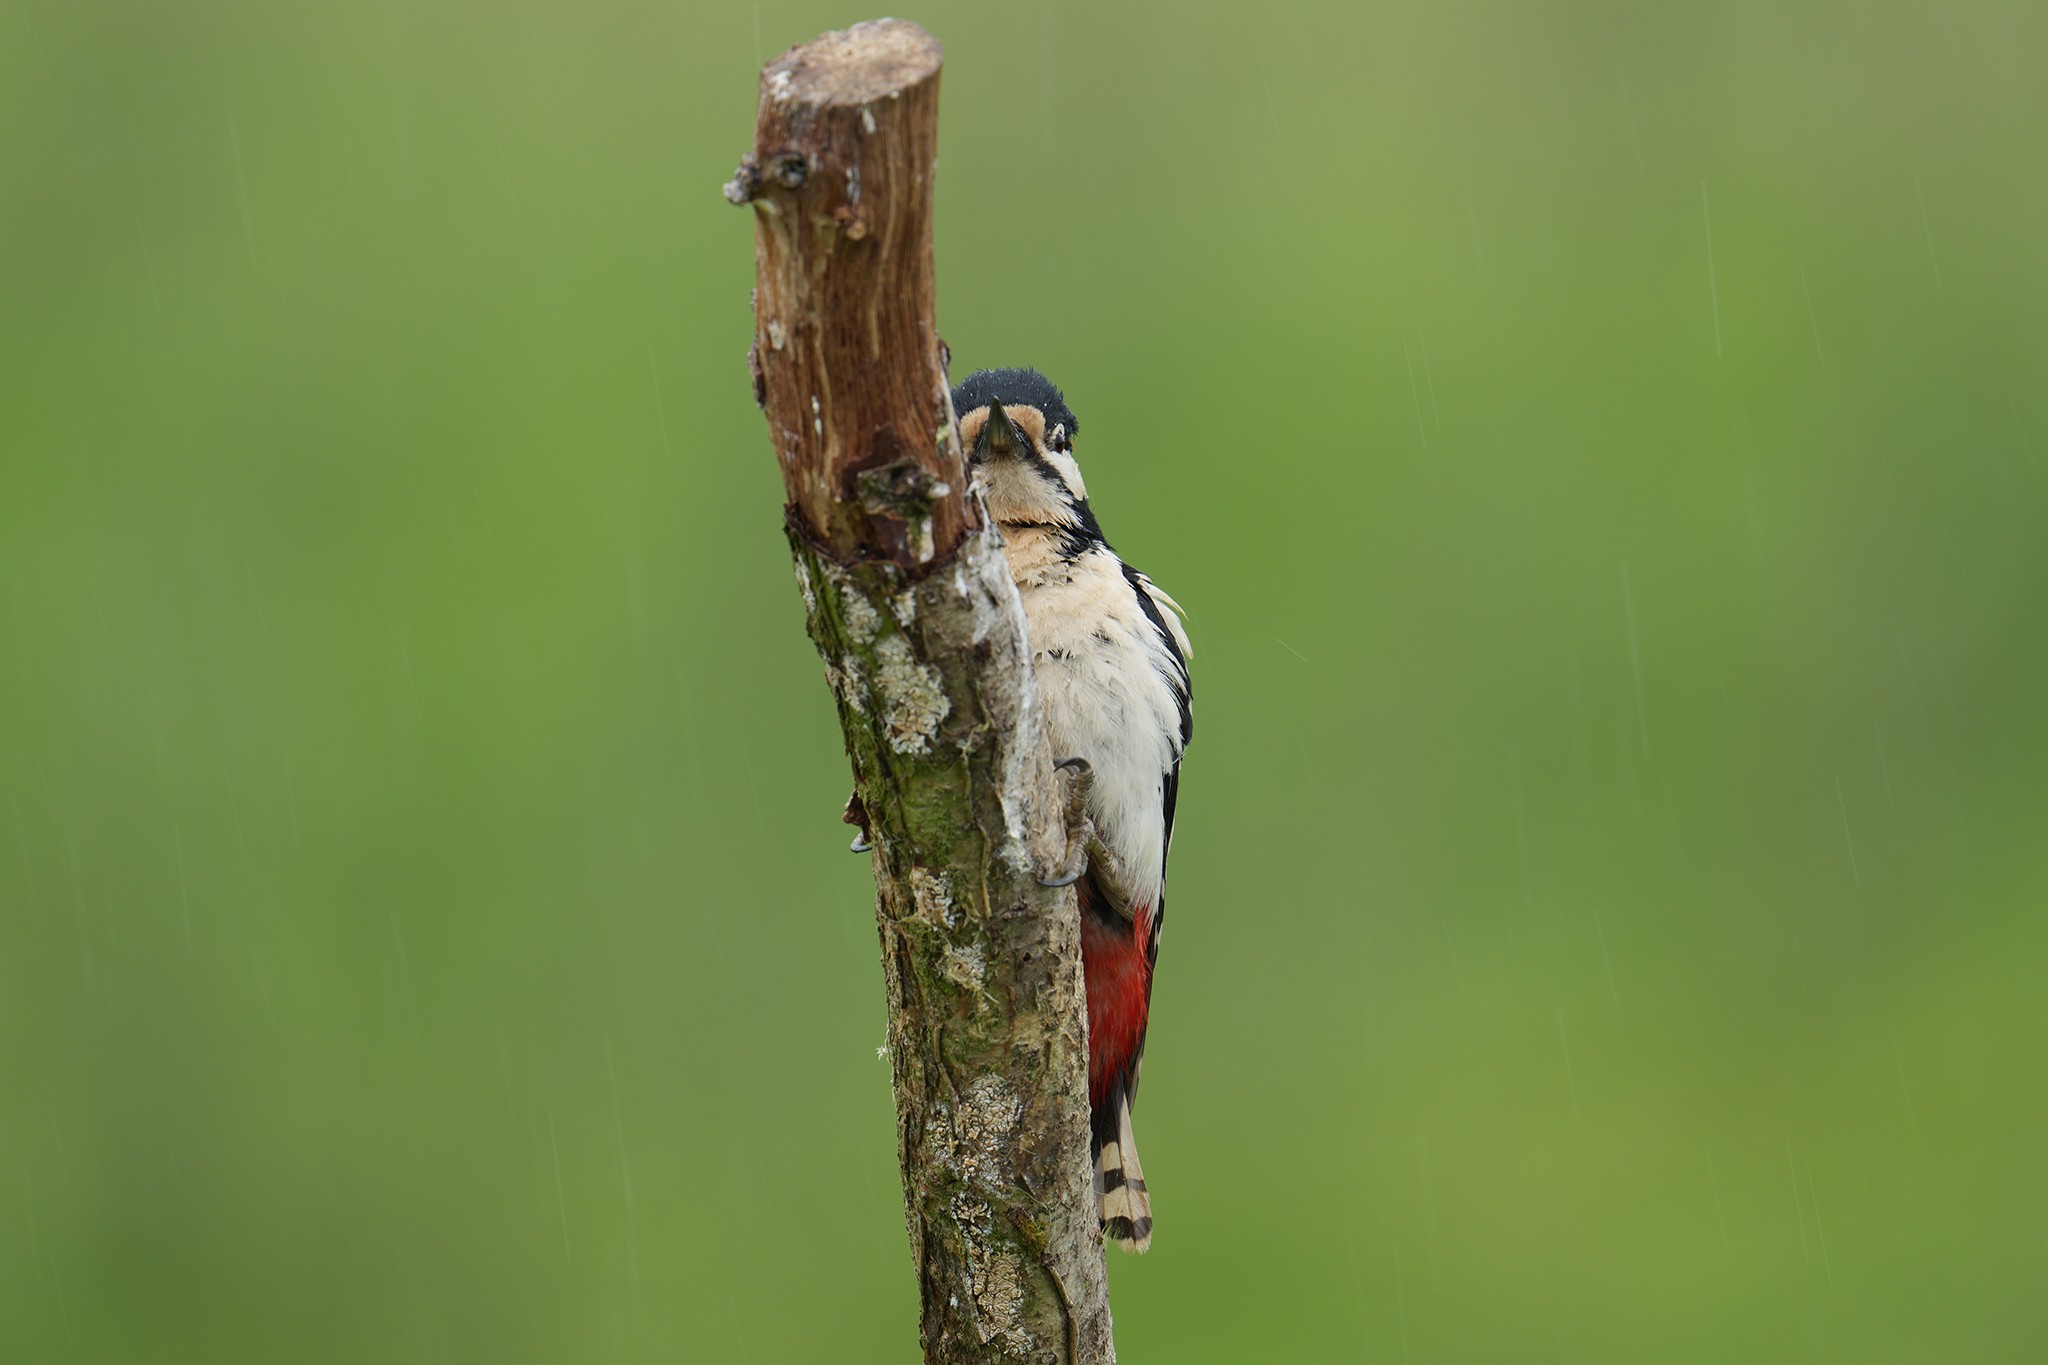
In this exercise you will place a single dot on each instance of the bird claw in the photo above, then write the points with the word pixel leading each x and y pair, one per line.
pixel 1080 830
pixel 856 813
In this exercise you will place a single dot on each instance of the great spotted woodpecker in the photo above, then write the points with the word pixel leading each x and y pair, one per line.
pixel 1109 659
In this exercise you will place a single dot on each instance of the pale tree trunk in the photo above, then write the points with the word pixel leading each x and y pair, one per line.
pixel 923 637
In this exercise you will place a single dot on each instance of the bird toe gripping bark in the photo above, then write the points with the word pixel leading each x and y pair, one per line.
pixel 856 814
pixel 1080 829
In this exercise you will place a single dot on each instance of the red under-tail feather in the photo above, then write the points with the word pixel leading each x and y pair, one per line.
pixel 1116 958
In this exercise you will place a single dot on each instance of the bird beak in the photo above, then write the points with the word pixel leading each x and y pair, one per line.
pixel 999 435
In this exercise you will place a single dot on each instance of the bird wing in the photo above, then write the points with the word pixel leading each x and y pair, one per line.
pixel 1165 615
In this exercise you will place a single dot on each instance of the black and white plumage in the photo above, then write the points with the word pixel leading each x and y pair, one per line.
pixel 1109 660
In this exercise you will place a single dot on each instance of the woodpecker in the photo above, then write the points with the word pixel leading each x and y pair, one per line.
pixel 1109 657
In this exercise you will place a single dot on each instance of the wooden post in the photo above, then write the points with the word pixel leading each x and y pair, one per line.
pixel 911 604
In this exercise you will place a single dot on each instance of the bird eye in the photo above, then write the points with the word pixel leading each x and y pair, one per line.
pixel 1057 438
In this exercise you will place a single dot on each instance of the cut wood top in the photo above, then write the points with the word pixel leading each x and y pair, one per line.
pixel 872 61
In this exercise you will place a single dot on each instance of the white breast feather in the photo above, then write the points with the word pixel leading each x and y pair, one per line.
pixel 1102 673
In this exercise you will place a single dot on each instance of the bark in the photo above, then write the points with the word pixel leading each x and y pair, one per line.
pixel 911 604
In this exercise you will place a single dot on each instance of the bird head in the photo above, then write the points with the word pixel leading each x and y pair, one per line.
pixel 1019 435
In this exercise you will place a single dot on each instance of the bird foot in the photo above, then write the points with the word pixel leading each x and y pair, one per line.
pixel 1080 830
pixel 857 814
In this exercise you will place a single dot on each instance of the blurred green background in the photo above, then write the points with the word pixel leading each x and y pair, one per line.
pixel 1603 450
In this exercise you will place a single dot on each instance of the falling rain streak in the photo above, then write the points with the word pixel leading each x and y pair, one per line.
pixel 1812 319
pixel 1720 1213
pixel 1713 281
pixel 1635 656
pixel 242 189
pixel 1415 392
pixel 1635 138
pixel 1820 1229
pixel 184 890
pixel 1472 215
pixel 1606 960
pixel 1436 415
pixel 611 1073
pixel 561 1192
pixel 1798 1203
pixel 1927 228
pixel 1570 1077
pixel 1855 873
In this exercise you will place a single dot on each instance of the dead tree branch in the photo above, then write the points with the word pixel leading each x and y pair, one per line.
pixel 912 607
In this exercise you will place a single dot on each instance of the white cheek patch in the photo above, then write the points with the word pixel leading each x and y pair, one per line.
pixel 1069 472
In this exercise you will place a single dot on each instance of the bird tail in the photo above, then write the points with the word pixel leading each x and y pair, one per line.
pixel 1125 1206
